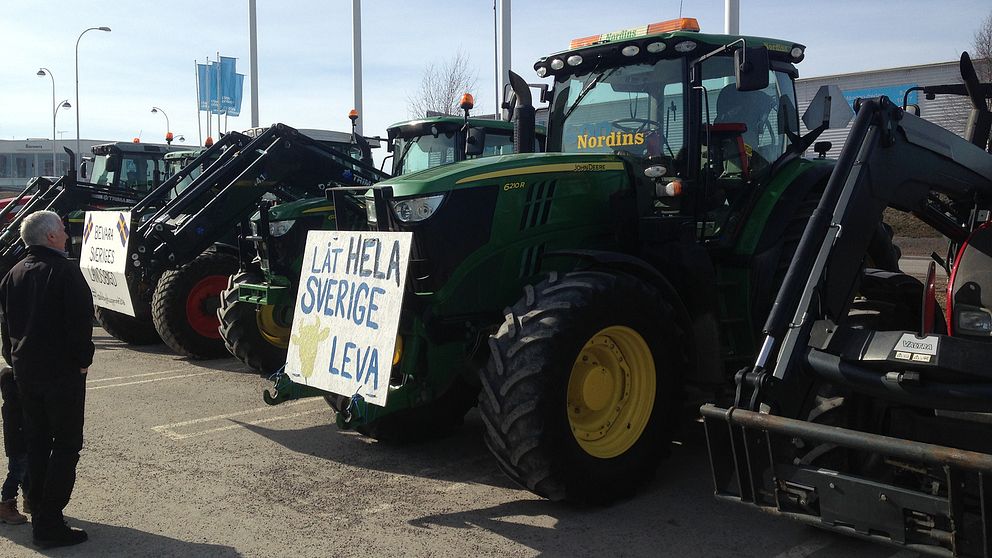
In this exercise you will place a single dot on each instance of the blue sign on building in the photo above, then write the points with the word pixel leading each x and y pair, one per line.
pixel 893 92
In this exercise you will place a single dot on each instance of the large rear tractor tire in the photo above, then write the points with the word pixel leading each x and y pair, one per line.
pixel 257 335
pixel 579 396
pixel 133 331
pixel 185 303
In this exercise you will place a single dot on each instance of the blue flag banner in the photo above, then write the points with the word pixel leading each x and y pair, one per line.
pixel 220 87
pixel 202 77
pixel 227 81
pixel 235 108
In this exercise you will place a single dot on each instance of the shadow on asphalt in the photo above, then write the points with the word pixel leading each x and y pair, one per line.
pixel 675 515
pixel 460 456
pixel 105 342
pixel 113 540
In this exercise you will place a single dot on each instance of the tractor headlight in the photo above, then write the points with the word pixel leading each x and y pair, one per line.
pixel 279 228
pixel 370 210
pixel 972 320
pixel 412 210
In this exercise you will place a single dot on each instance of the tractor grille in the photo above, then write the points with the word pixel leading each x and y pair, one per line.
pixel 530 260
pixel 538 204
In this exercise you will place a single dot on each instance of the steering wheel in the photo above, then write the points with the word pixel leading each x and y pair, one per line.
pixel 639 125
pixel 642 124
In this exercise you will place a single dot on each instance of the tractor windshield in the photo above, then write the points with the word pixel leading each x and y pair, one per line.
pixel 131 171
pixel 639 109
pixel 416 153
pixel 423 152
pixel 178 164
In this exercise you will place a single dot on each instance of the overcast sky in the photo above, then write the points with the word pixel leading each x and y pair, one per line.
pixel 304 50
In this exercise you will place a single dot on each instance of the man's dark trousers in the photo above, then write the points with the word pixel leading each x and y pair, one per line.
pixel 53 428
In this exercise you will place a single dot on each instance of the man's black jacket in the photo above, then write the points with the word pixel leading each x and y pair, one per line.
pixel 13 417
pixel 46 314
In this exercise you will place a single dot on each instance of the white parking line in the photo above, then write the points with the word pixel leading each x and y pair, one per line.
pixel 177 436
pixel 135 376
pixel 151 380
pixel 168 430
pixel 807 548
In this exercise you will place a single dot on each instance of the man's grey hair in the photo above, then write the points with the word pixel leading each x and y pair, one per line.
pixel 36 227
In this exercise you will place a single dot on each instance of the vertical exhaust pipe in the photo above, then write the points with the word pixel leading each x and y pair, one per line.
pixel 523 116
pixel 71 175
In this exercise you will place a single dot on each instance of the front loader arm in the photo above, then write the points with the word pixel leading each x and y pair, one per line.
pixel 891 158
pixel 281 162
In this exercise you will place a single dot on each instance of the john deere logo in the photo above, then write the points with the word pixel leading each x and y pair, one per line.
pixel 122 228
pixel 88 229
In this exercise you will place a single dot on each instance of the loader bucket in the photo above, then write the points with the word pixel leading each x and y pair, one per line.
pixel 753 461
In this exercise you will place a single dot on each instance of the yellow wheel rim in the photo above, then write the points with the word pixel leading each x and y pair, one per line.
pixel 272 330
pixel 611 392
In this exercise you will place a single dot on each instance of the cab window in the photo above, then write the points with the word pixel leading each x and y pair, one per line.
pixel 637 109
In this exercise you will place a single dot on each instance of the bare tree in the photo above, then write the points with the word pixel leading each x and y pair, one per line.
pixel 983 49
pixel 442 86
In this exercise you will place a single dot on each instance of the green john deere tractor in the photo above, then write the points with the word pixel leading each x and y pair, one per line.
pixel 256 309
pixel 573 294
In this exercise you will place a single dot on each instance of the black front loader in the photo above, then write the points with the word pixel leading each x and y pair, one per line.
pixel 65 196
pixel 281 162
pixel 864 412
pixel 183 253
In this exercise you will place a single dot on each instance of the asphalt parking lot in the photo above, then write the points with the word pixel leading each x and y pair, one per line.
pixel 182 458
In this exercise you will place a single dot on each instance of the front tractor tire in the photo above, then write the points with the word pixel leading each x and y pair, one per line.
pixel 257 335
pixel 185 303
pixel 579 396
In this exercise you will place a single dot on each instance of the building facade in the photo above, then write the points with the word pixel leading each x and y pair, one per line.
pixel 948 111
pixel 21 160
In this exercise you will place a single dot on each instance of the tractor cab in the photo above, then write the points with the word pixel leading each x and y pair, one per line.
pixel 422 144
pixel 129 166
pixel 703 117
pixel 177 161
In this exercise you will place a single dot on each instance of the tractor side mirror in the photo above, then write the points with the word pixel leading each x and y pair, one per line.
pixel 509 102
pixel 475 142
pixel 751 67
pixel 828 108
pixel 82 170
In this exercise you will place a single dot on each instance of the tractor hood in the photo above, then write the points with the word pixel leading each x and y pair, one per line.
pixel 293 210
pixel 508 170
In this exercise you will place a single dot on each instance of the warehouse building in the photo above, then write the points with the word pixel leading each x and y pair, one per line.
pixel 948 111
pixel 24 159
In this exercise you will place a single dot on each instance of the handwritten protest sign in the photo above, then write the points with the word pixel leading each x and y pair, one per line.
pixel 348 311
pixel 104 259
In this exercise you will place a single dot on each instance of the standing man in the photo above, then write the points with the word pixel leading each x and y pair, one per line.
pixel 46 315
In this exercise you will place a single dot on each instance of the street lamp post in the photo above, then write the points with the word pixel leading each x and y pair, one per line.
pixel 168 129
pixel 47 72
pixel 63 104
pixel 77 80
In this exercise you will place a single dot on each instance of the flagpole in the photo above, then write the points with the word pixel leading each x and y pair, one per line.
pixel 199 126
pixel 218 94
pixel 207 89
